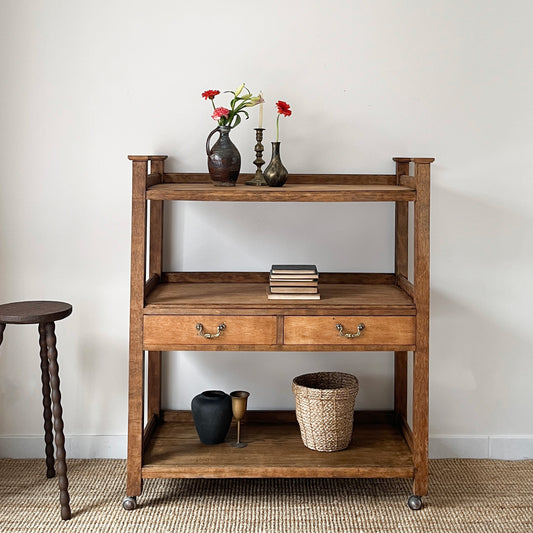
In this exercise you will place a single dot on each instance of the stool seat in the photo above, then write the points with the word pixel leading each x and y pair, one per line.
pixel 34 312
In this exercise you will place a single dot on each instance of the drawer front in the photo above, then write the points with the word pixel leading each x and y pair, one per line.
pixel 169 330
pixel 379 330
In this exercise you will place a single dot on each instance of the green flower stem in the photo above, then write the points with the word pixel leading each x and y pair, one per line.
pixel 237 105
pixel 277 129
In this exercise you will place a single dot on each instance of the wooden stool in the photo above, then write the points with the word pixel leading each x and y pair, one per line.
pixel 45 314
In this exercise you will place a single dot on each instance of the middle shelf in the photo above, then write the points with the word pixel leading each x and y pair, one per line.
pixel 184 311
pixel 369 294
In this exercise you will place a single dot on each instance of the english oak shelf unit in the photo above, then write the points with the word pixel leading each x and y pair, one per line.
pixel 167 306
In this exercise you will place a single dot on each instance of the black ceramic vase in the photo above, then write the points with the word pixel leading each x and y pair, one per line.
pixel 275 173
pixel 223 158
pixel 212 414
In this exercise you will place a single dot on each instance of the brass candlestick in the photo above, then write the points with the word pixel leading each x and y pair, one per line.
pixel 258 179
pixel 239 399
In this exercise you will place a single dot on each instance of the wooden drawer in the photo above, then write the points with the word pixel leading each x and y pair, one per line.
pixel 170 330
pixel 379 330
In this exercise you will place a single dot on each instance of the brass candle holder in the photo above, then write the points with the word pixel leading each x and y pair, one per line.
pixel 239 399
pixel 258 180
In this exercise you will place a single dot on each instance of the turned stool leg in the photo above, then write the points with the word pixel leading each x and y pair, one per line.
pixel 58 421
pixel 47 413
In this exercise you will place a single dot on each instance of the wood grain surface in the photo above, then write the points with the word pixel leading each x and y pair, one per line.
pixel 165 330
pixel 322 330
pixel 354 298
pixel 275 449
pixel 291 192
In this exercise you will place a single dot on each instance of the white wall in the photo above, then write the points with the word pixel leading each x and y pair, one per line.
pixel 84 84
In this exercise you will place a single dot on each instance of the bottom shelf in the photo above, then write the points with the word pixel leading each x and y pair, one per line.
pixel 275 449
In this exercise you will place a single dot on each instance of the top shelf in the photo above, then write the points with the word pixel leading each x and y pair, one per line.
pixel 298 192
pixel 300 188
pixel 397 187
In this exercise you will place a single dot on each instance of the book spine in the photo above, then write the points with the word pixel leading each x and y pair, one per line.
pixel 294 290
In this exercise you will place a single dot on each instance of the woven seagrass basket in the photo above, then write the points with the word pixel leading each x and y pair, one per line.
pixel 324 408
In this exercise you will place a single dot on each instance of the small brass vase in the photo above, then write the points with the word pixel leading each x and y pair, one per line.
pixel 275 173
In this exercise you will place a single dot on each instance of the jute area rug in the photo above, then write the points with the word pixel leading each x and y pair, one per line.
pixel 465 496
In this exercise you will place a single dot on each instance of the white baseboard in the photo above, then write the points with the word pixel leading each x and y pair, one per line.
pixel 511 447
pixel 76 446
pixel 508 447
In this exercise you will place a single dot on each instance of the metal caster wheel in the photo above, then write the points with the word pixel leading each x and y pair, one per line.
pixel 129 503
pixel 414 503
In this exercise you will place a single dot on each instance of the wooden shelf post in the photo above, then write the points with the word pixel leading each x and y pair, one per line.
pixel 421 298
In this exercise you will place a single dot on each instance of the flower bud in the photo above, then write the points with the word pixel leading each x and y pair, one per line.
pixel 239 89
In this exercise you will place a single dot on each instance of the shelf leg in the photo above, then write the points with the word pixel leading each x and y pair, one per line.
pixel 135 424
pixel 420 421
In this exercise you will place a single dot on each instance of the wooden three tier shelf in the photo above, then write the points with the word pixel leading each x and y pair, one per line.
pixel 167 306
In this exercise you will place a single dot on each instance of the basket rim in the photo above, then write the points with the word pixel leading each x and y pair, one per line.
pixel 350 377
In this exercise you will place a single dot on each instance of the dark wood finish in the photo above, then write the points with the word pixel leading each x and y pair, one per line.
pixel 161 307
pixel 57 411
pixel 44 313
pixel 34 312
pixel 47 404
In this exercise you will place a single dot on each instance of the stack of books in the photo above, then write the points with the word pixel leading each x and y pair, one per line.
pixel 293 282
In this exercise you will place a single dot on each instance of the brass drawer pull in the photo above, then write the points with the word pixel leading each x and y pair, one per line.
pixel 360 329
pixel 201 332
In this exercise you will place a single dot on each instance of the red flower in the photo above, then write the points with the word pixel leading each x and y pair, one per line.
pixel 284 108
pixel 210 94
